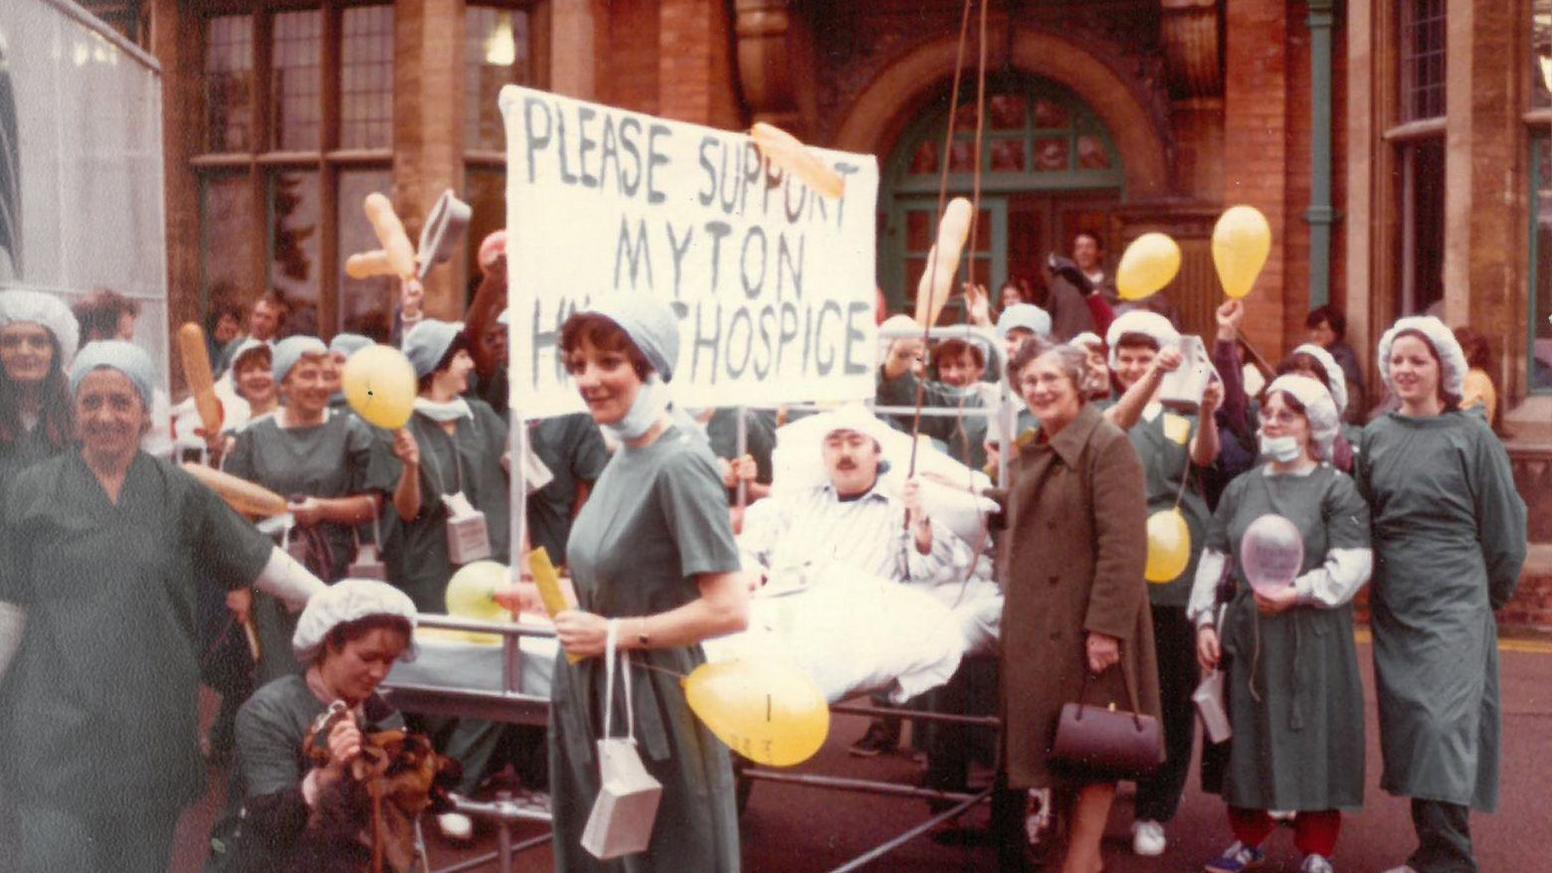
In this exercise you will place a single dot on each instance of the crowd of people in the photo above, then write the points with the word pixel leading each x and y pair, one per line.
pixel 124 583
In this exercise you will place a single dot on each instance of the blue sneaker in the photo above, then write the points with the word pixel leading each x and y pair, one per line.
pixel 1237 859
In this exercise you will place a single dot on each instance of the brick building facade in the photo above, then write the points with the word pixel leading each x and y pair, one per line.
pixel 1399 148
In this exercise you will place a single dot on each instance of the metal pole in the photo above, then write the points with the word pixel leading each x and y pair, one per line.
pixel 743 447
pixel 1320 215
pixel 913 833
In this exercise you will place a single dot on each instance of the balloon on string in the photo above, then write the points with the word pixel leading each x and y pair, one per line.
pixel 1169 546
pixel 379 384
pixel 1241 241
pixel 1272 553
pixel 471 591
pixel 767 711
pixel 1147 265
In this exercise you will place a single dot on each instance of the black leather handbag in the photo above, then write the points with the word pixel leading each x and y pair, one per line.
pixel 1104 744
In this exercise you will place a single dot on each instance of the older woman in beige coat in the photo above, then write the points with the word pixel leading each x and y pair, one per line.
pixel 1076 604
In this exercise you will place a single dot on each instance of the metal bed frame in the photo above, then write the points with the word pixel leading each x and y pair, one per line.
pixel 510 704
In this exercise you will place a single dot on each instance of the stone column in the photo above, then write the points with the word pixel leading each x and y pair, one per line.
pixel 573 70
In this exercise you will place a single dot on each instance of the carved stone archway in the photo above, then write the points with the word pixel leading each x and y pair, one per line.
pixel 880 114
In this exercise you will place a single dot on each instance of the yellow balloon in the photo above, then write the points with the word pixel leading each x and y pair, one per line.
pixel 1148 264
pixel 470 591
pixel 771 713
pixel 1241 241
pixel 379 384
pixel 1169 546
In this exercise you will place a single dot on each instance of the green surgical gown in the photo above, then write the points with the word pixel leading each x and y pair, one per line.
pixel 106 693
pixel 657 519
pixel 469 460
pixel 1449 534
pixel 1300 746
pixel 574 451
pixel 338 458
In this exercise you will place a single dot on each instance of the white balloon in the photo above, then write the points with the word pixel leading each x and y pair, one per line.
pixel 1271 551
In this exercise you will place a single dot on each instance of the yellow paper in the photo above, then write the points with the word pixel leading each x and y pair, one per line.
pixel 1177 428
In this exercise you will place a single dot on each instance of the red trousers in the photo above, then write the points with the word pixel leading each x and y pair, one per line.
pixel 1314 833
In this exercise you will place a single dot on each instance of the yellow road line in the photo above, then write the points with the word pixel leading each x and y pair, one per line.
pixel 1532 647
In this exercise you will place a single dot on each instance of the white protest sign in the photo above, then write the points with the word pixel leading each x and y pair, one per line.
pixel 773 283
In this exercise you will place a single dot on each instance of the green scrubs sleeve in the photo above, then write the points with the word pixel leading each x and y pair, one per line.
pixel 226 547
pixel 268 754
pixel 1346 515
pixel 1217 539
pixel 239 461
pixel 373 467
pixel 1500 517
pixel 692 499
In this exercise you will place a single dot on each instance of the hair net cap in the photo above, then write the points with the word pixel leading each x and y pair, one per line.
pixel 650 324
pixel 1086 340
pixel 1027 316
pixel 853 418
pixel 289 351
pixel 348 344
pixel 1334 375
pixel 427 342
pixel 1452 359
pixel 25 306
pixel 345 601
pixel 127 358
pixel 1149 324
pixel 1319 409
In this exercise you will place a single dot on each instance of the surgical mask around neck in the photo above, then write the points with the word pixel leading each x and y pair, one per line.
pixel 1283 449
pixel 651 404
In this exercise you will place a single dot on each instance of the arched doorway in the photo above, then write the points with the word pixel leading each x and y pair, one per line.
pixel 1050 168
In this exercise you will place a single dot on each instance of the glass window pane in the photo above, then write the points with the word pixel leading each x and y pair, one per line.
pixel 366 77
pixel 919 232
pixel 1541 53
pixel 1051 154
pixel 293 245
pixel 229 83
pixel 1007 156
pixel 1092 154
pixel 1541 291
pixel 925 161
pixel 227 240
pixel 486 193
pixel 961 157
pixel 496 53
pixel 1007 111
pixel 365 305
pixel 1050 114
pixel 296 96
pixel 983 232
pixel 1422 26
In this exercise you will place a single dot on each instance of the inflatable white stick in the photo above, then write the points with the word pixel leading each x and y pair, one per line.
pixel 937 282
pixel 786 151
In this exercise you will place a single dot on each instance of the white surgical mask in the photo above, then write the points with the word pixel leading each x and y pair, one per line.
pixel 1283 449
pixel 650 405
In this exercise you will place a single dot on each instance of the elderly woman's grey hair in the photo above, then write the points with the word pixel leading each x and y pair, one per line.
pixel 1071 360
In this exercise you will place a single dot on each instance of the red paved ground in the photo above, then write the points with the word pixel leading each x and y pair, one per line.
pixel 793 830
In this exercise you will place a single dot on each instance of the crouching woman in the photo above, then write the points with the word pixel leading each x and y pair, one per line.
pixel 349 637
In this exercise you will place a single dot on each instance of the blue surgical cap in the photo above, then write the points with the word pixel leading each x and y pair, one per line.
pixel 650 324
pixel 1027 316
pixel 127 358
pixel 290 350
pixel 427 342
pixel 348 344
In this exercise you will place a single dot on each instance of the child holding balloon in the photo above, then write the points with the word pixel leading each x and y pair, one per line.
pixel 1297 533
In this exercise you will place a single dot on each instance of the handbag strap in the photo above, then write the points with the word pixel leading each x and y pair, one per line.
pixel 611 642
pixel 1127 677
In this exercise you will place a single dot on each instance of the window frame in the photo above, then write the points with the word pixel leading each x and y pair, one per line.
pixel 263 161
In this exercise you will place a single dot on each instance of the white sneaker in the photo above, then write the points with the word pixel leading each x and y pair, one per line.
pixel 1316 864
pixel 1148 838
pixel 456 826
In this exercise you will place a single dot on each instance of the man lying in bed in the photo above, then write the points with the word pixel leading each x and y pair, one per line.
pixel 855 516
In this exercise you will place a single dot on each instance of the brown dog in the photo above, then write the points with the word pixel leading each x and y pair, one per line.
pixel 366 821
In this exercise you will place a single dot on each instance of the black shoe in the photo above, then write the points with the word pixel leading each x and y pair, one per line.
pixel 880 739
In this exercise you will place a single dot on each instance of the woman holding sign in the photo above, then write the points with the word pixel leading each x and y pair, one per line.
pixel 653 554
pixel 1449 532
pixel 1295 702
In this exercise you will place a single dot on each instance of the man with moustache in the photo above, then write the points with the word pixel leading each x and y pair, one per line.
pixel 858 516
